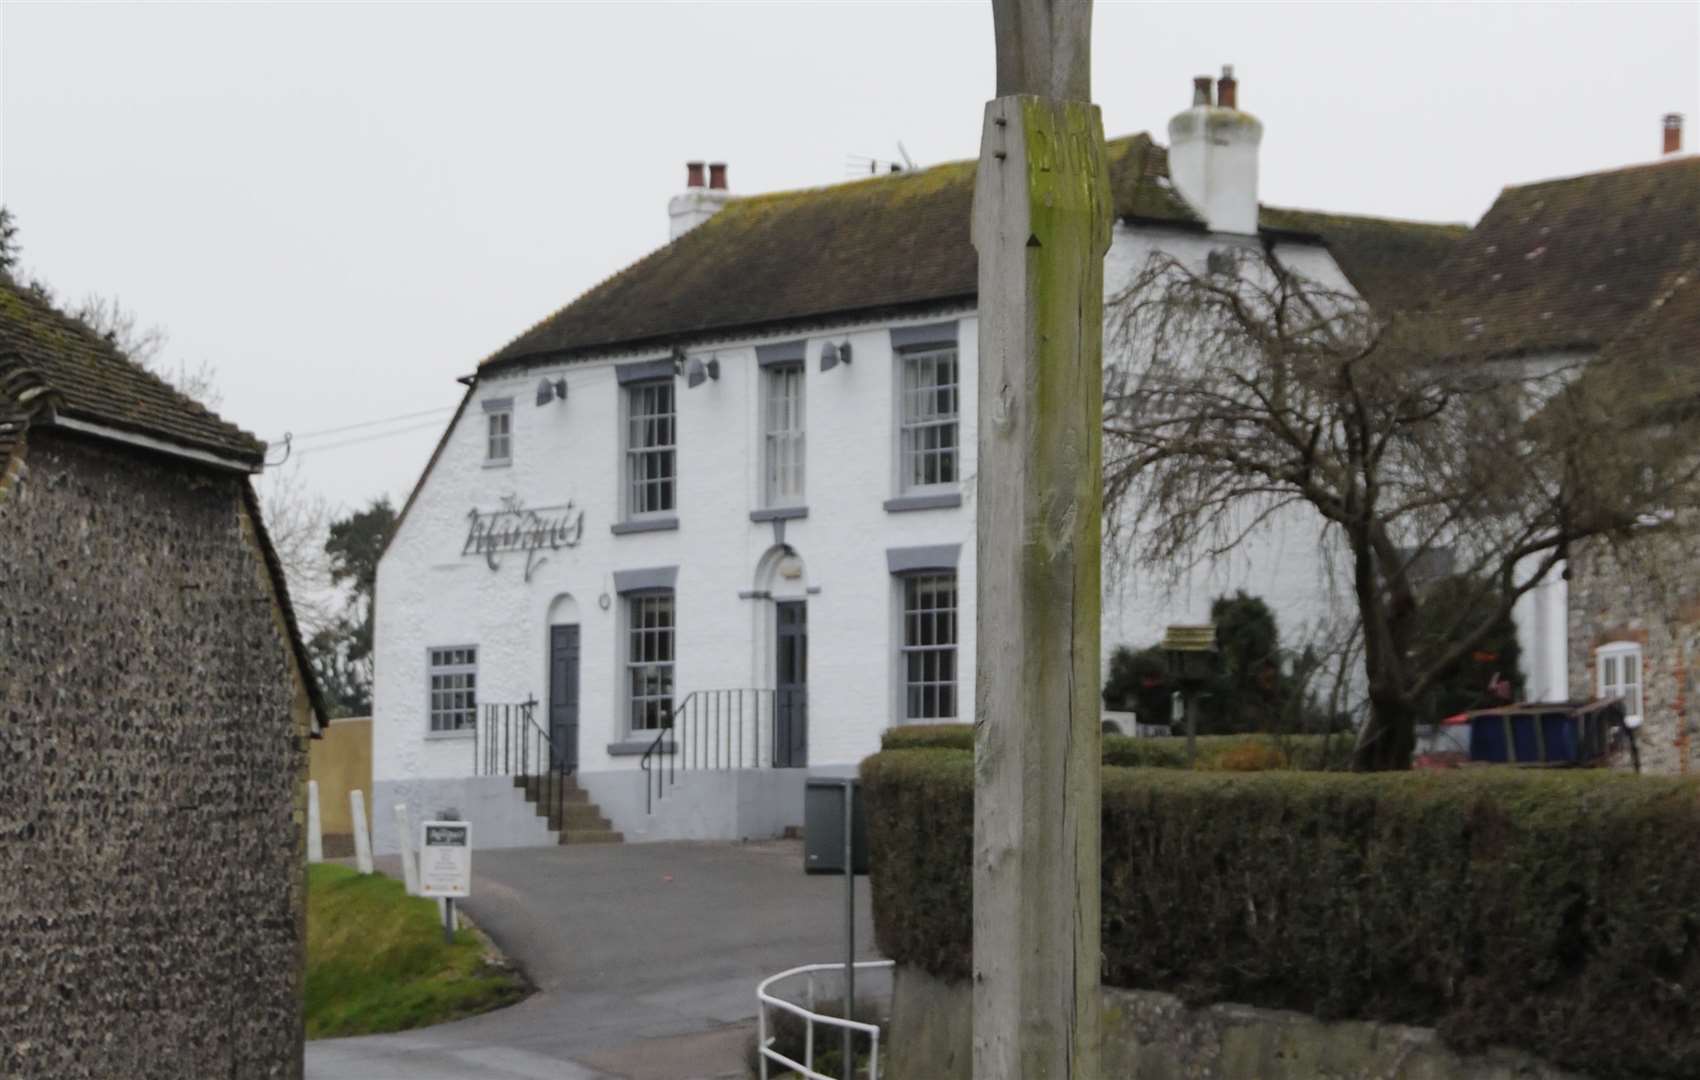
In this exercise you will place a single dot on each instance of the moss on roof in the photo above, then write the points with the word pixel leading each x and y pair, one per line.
pixel 1392 263
pixel 893 242
pixel 90 379
pixel 1570 263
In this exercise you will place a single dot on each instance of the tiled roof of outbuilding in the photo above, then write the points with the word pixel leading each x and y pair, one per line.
pixel 894 242
pixel 1570 263
pixel 92 380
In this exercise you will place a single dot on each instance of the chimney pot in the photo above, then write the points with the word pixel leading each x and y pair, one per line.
pixel 1673 133
pixel 1201 91
pixel 1227 86
pixel 717 176
pixel 693 174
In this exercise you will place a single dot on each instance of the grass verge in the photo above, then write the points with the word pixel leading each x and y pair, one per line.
pixel 376 960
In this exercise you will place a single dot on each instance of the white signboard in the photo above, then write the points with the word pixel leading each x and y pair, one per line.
pixel 445 858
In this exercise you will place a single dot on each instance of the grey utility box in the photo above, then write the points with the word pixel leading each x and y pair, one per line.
pixel 823 827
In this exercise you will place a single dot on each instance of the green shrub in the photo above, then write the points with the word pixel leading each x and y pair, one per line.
pixel 928 737
pixel 1311 752
pixel 1558 912
pixel 921 843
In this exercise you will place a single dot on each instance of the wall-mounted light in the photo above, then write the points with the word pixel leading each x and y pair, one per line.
pixel 699 372
pixel 678 358
pixel 551 390
pixel 833 355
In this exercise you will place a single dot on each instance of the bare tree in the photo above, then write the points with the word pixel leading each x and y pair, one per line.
pixel 145 344
pixel 1248 397
pixel 299 521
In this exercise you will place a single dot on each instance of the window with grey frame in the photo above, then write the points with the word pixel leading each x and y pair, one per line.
pixel 783 440
pixel 928 652
pixel 453 677
pixel 650 473
pixel 927 451
pixel 499 436
pixel 649 660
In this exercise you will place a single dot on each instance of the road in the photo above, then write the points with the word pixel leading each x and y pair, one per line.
pixel 646 958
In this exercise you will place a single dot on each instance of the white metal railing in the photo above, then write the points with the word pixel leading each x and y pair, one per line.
pixel 765 997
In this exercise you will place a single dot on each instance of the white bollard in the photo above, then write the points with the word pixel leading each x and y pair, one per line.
pixel 409 853
pixel 362 838
pixel 315 837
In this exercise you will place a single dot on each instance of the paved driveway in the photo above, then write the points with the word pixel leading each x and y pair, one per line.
pixel 643 954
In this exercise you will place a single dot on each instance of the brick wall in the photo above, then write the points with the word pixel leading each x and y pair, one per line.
pixel 153 740
pixel 1650 604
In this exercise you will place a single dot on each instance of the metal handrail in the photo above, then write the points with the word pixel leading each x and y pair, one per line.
pixel 735 728
pixel 514 743
pixel 806 1067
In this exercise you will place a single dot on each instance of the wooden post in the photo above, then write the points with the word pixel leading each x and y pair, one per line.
pixel 1042 208
pixel 315 833
pixel 407 840
pixel 362 838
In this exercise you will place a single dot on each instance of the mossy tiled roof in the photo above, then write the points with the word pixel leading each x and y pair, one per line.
pixel 1392 264
pixel 90 379
pixel 1655 362
pixel 1570 264
pixel 896 242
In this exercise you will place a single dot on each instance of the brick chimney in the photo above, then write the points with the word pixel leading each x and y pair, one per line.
pixel 1213 156
pixel 1673 133
pixel 699 202
pixel 1227 88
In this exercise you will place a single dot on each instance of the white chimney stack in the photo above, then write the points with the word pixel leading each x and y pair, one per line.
pixel 700 201
pixel 1213 156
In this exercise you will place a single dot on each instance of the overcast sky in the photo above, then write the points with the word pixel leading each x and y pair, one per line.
pixel 344 207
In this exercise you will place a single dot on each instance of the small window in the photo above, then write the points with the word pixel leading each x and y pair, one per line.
pixel 649 660
pixel 927 454
pixel 1620 675
pixel 649 448
pixel 782 450
pixel 454 689
pixel 928 654
pixel 499 436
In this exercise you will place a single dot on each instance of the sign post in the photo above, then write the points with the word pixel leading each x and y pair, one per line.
pixel 1042 212
pixel 445 866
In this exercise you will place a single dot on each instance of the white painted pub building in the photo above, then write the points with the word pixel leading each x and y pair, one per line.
pixel 709 529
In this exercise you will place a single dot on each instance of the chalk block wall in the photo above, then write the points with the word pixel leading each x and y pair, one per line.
pixel 152 890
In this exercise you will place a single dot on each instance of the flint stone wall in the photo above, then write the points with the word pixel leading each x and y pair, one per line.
pixel 1155 1036
pixel 152 888
pixel 1612 602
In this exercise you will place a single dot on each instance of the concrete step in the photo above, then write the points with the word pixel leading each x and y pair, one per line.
pixel 567 810
pixel 592 836
pixel 568 793
pixel 579 816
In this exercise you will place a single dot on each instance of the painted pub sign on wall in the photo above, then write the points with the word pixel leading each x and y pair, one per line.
pixel 515 527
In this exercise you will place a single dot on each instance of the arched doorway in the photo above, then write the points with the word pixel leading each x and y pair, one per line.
pixel 782 578
pixel 563 665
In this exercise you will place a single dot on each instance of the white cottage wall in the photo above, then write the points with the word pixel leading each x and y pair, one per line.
pixel 1286 562
pixel 430 594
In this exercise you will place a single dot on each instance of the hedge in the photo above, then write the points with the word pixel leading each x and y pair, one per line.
pixel 1557 912
pixel 1312 752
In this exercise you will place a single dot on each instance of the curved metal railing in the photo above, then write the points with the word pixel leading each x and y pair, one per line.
pixel 766 998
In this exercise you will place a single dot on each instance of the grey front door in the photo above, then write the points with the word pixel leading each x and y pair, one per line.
pixel 563 696
pixel 791 686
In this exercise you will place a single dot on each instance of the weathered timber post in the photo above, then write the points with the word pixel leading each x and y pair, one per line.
pixel 315 833
pixel 1042 226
